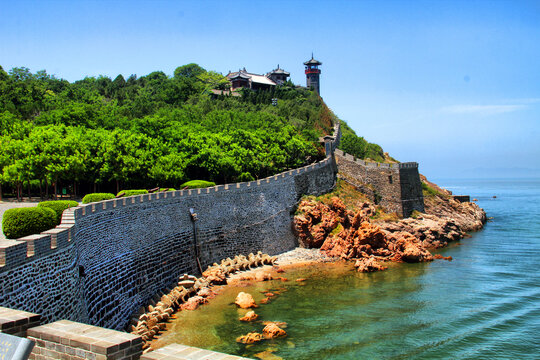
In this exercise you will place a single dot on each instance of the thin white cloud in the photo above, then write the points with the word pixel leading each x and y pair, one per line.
pixel 524 101
pixel 484 110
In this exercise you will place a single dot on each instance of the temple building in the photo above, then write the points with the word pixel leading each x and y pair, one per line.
pixel 279 76
pixel 244 79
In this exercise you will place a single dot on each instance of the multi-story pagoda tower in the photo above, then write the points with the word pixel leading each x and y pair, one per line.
pixel 312 74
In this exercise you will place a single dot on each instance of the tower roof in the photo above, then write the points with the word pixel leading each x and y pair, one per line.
pixel 240 74
pixel 313 61
pixel 279 71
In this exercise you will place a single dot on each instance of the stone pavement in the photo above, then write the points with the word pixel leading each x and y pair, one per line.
pixel 183 352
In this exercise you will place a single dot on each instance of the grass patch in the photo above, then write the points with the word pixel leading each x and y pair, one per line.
pixel 337 229
pixel 381 215
pixel 351 197
pixel 429 191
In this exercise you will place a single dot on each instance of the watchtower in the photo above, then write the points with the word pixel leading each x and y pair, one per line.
pixel 312 74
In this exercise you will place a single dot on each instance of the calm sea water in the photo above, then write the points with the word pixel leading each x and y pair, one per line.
pixel 485 304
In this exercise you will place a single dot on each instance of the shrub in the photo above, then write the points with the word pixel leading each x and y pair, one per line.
pixel 196 184
pixel 131 192
pixel 58 206
pixel 20 222
pixel 167 189
pixel 93 197
pixel 428 190
pixel 245 176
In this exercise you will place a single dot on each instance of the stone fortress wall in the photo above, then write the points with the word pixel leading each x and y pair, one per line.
pixel 107 259
pixel 396 187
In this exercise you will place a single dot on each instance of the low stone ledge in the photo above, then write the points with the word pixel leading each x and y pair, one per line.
pixel 66 339
pixel 17 322
pixel 183 352
pixel 462 198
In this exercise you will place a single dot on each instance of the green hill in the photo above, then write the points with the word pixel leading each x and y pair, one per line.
pixel 154 130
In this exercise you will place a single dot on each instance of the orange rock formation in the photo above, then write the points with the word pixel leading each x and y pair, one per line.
pixel 245 300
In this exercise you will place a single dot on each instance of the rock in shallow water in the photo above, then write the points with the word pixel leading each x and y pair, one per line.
pixel 250 316
pixel 368 265
pixel 193 303
pixel 271 331
pixel 245 300
pixel 250 338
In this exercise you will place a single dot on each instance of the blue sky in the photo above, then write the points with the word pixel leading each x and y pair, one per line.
pixel 453 85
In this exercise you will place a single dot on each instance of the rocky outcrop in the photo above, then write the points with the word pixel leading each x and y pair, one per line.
pixel 445 219
pixel 315 222
pixel 468 216
pixel 430 230
pixel 406 247
pixel 352 235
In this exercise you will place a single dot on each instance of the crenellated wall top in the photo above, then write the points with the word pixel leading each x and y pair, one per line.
pixel 373 164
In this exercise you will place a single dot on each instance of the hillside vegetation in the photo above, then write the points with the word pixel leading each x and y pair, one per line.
pixel 154 130
pixel 359 147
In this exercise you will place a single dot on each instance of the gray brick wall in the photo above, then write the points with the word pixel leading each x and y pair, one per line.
pixel 107 259
pixel 396 187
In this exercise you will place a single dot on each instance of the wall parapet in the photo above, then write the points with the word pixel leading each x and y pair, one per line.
pixel 17 252
pixel 395 186
pixel 374 164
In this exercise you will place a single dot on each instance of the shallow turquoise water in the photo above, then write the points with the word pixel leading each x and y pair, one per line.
pixel 483 305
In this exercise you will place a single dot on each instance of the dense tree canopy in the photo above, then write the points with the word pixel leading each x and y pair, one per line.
pixel 153 130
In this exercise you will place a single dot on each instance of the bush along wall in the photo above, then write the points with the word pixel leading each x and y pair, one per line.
pixel 17 223
pixel 58 206
pixel 94 197
pixel 197 184
pixel 131 193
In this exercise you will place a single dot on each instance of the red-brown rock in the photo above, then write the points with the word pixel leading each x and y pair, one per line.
pixel 281 324
pixel 262 276
pixel 193 303
pixel 368 265
pixel 250 338
pixel 250 316
pixel 271 331
pixel 439 256
pixel 245 300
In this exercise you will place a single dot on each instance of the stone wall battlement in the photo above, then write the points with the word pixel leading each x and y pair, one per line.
pixel 349 157
pixel 14 253
pixel 396 187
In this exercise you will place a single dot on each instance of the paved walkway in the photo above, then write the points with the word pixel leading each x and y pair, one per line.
pixel 183 352
pixel 4 205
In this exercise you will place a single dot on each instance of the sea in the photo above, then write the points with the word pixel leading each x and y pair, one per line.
pixel 484 304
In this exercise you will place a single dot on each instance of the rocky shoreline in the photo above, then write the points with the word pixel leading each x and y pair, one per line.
pixel 329 229
pixel 359 235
